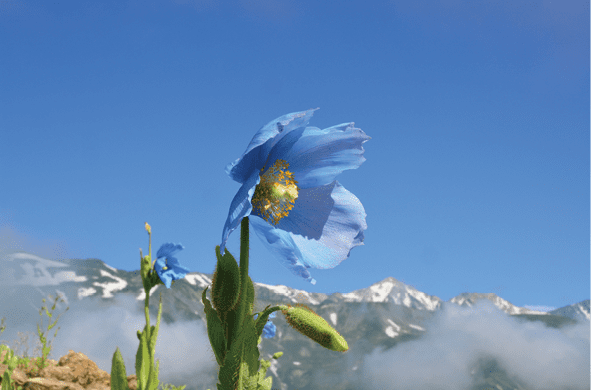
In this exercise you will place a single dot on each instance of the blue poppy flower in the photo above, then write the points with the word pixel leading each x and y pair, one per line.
pixel 168 267
pixel 269 329
pixel 289 192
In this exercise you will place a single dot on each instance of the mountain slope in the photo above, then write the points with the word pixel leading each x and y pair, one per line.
pixel 379 322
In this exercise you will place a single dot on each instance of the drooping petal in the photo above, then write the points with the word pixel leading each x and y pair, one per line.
pixel 316 157
pixel 168 249
pixel 280 243
pixel 319 232
pixel 240 207
pixel 256 153
pixel 343 231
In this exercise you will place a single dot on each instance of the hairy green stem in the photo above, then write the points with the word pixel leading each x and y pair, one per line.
pixel 242 304
pixel 147 301
pixel 244 248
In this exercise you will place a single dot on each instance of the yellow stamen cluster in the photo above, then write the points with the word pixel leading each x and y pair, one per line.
pixel 276 193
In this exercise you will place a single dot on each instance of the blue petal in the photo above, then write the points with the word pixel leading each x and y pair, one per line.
pixel 174 271
pixel 269 330
pixel 240 207
pixel 256 153
pixel 168 249
pixel 280 243
pixel 319 232
pixel 173 263
pixel 316 157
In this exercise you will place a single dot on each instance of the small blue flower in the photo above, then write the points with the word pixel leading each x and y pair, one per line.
pixel 270 329
pixel 168 267
pixel 289 192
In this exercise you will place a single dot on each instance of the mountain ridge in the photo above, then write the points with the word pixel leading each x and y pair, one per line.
pixel 375 319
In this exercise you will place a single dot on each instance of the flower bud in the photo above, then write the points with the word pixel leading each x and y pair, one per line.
pixel 277 355
pixel 225 286
pixel 148 228
pixel 307 322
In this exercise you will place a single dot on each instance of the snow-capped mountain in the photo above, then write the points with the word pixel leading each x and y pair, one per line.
pixel 577 311
pixel 372 320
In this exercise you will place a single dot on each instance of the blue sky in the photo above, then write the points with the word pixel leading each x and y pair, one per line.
pixel 477 173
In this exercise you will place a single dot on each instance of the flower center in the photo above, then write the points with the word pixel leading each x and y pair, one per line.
pixel 276 193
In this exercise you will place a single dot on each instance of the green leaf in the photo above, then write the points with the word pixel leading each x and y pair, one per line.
pixel 154 330
pixel 153 381
pixel 241 364
pixel 215 330
pixel 118 372
pixel 142 361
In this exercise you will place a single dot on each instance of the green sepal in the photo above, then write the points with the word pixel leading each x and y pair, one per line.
pixel 118 372
pixel 225 286
pixel 307 322
pixel 215 330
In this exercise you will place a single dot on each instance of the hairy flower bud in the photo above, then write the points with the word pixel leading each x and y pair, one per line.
pixel 307 322
pixel 225 286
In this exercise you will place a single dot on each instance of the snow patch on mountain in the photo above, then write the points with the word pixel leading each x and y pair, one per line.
pixel 392 290
pixel 333 318
pixel 294 295
pixel 393 330
pixel 110 287
pixel 417 327
pixel 576 311
pixel 196 278
pixel 469 299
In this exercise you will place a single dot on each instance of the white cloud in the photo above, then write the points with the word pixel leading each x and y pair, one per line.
pixel 544 358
